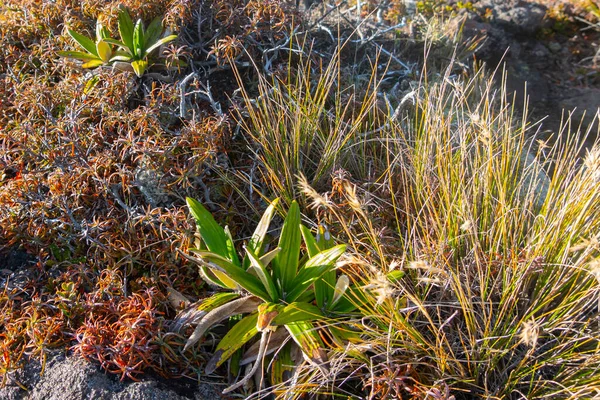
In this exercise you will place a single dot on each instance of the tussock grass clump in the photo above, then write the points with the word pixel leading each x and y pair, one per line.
pixel 496 233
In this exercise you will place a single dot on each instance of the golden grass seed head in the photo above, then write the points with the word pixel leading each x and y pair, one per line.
pixel 530 332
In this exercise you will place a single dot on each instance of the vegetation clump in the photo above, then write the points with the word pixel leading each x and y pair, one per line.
pixel 470 265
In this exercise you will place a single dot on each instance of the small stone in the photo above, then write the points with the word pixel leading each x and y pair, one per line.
pixel 554 47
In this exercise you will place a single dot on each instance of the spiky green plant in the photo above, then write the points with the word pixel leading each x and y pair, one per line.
pixel 281 292
pixel 137 44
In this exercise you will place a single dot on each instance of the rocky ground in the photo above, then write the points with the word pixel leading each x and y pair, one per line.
pixel 547 47
pixel 69 378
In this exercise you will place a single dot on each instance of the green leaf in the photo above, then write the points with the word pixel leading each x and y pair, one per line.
pixel 138 40
pixel 241 333
pixel 255 244
pixel 270 256
pixel 285 264
pixel 161 42
pixel 212 234
pixel 306 277
pixel 139 67
pixel 243 305
pixel 231 247
pixel 297 312
pixel 347 303
pixel 126 28
pixel 216 300
pixel 101 31
pixel 93 64
pixel 309 240
pixel 326 257
pixel 122 45
pixel 80 55
pixel 395 276
pixel 120 57
pixel 343 283
pixel 241 277
pixel 104 50
pixel 85 42
pixel 342 334
pixel 305 335
pixel 263 275
pixel 210 276
pixel 282 365
pixel 153 32
pixel 324 287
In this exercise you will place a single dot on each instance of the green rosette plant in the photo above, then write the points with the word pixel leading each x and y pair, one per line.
pixel 279 294
pixel 135 47
pixel 137 42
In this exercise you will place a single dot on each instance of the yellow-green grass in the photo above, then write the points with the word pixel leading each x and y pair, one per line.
pixel 497 234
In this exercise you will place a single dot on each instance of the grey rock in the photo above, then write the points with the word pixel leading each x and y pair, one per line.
pixel 516 15
pixel 554 47
pixel 584 105
pixel 72 378
pixel 524 80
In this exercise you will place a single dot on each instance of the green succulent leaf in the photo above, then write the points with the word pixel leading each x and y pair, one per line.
pixel 104 50
pixel 298 312
pixel 324 239
pixel 120 56
pixel 216 300
pixel 309 240
pixel 326 257
pixel 285 263
pixel 139 67
pixel 324 287
pixel 212 234
pixel 126 28
pixel 153 32
pixel 85 42
pixel 281 365
pixel 347 303
pixel 218 278
pixel 101 31
pixel 240 334
pixel 305 278
pixel 306 336
pixel 93 64
pixel 80 55
pixel 231 247
pixel 263 275
pixel 161 42
pixel 343 283
pixel 270 256
pixel 255 244
pixel 343 334
pixel 243 278
pixel 127 50
pixel 395 276
pixel 138 39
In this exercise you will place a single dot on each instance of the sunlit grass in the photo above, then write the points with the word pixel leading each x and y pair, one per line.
pixel 497 234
